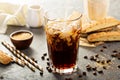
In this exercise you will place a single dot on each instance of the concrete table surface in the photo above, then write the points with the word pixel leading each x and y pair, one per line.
pixel 39 47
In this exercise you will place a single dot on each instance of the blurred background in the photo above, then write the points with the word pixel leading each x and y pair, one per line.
pixel 114 9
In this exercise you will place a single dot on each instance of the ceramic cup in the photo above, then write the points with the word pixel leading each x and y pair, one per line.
pixel 34 17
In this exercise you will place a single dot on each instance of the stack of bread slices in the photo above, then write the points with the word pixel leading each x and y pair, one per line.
pixel 97 32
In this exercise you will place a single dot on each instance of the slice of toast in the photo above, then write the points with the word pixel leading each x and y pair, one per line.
pixel 104 36
pixel 101 24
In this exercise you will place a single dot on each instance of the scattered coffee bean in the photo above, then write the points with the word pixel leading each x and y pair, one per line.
pixel 89 68
pixel 108 61
pixel 113 55
pixel 43 58
pixel 100 72
pixel 97 55
pixel 45 54
pixel 94 73
pixel 41 73
pixel 68 78
pixel 84 73
pixel 114 51
pixel 49 69
pixel 92 58
pixel 85 57
pixel 103 62
pixel 33 58
pixel 118 55
pixel 48 63
pixel 101 50
pixel 94 68
pixel 104 67
pixel 118 58
pixel 104 47
pixel 119 66
pixel 1 77
pixel 98 61
pixel 47 59
pixel 79 75
pixel 36 61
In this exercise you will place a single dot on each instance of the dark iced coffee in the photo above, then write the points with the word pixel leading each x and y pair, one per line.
pixel 62 40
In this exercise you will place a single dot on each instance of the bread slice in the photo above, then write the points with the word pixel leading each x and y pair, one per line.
pixel 4 58
pixel 100 24
pixel 104 36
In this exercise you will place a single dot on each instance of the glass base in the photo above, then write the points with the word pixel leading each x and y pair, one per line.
pixel 64 71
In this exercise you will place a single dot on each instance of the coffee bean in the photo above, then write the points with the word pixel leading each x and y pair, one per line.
pixel 104 67
pixel 101 50
pixel 45 54
pixel 94 73
pixel 48 63
pixel 36 61
pixel 104 47
pixel 113 55
pixel 85 57
pixel 118 58
pixel 47 59
pixel 1 77
pixel 33 58
pixel 84 73
pixel 41 73
pixel 119 66
pixel 92 58
pixel 94 69
pixel 49 69
pixel 103 62
pixel 100 72
pixel 43 58
pixel 80 76
pixel 89 68
pixel 68 78
pixel 98 61
pixel 97 55
pixel 108 61
pixel 114 51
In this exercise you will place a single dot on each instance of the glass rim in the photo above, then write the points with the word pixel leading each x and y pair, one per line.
pixel 66 20
pixel 62 19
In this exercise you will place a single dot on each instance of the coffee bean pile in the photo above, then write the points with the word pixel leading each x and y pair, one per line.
pixel 98 60
pixel 89 68
pixel 116 55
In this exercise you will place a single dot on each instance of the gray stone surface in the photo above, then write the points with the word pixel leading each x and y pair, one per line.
pixel 38 47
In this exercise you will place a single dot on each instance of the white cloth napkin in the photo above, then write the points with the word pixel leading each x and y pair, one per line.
pixel 11 14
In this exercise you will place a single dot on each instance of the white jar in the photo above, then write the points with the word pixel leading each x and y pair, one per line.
pixel 34 16
pixel 96 9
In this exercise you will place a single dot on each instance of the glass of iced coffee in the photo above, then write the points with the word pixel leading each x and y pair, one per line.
pixel 62 40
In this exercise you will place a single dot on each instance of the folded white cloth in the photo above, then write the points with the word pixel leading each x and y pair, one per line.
pixel 12 14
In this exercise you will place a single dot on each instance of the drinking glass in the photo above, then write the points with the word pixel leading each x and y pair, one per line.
pixel 62 34
pixel 96 9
